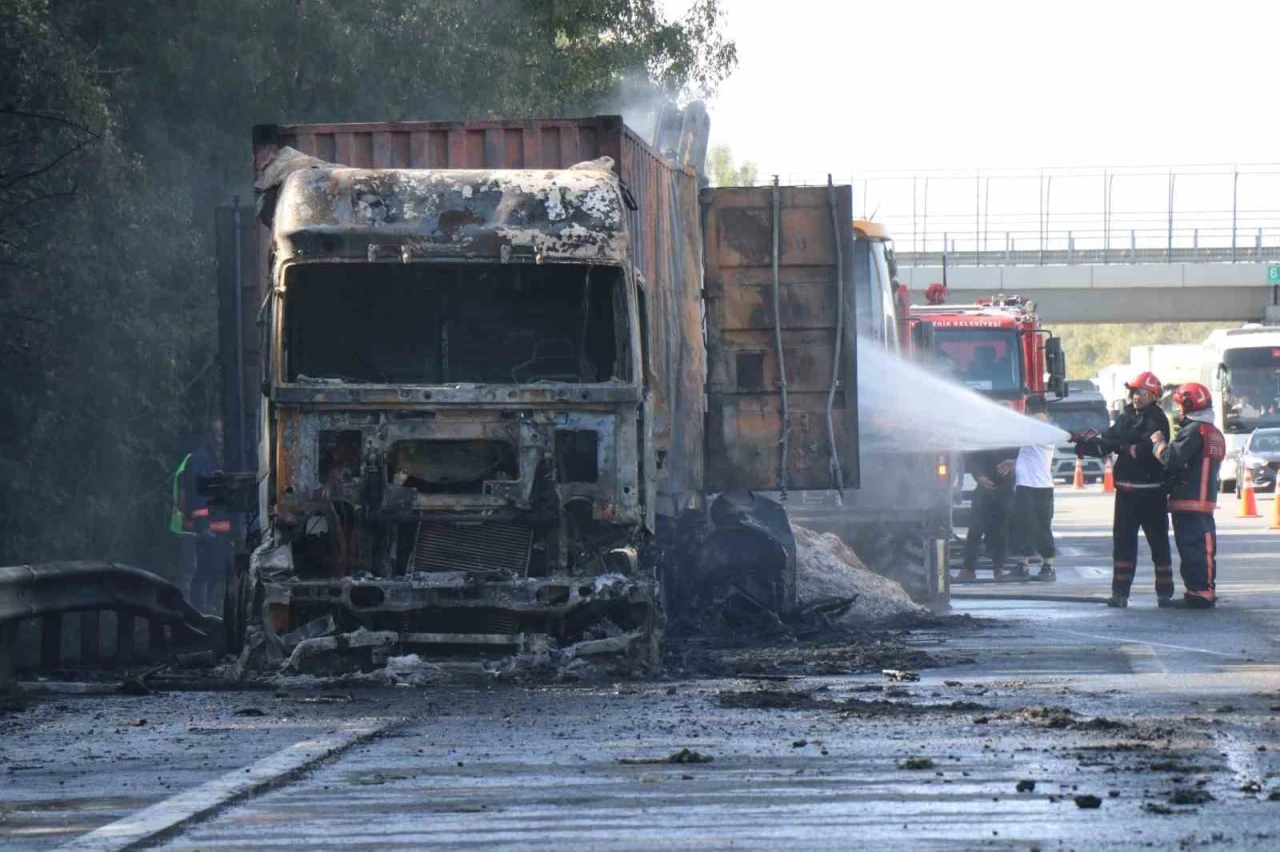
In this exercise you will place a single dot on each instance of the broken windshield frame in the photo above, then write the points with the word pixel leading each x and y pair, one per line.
pixel 455 323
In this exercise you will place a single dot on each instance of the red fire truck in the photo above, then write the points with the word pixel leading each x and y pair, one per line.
pixel 995 346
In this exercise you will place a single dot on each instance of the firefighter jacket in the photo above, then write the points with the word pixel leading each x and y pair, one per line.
pixel 1129 438
pixel 1193 460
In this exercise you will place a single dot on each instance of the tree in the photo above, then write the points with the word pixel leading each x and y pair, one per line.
pixel 123 125
pixel 1089 348
pixel 723 171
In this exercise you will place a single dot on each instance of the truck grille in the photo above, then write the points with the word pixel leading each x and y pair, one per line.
pixel 476 548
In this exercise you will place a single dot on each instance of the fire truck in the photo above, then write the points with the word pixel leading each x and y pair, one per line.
pixel 997 348
pixel 994 346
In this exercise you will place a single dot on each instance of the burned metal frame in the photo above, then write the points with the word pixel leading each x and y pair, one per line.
pixel 585 533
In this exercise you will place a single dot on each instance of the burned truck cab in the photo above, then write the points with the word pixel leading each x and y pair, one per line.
pixel 452 449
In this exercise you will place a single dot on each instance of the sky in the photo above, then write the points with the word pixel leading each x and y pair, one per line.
pixel 971 86
pixel 914 85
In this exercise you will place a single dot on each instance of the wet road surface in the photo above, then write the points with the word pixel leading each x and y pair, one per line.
pixel 1168 718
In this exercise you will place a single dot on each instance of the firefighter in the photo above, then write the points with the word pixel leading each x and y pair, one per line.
pixel 205 530
pixel 1192 460
pixel 1141 497
pixel 988 513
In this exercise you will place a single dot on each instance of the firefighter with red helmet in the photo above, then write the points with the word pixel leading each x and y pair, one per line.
pixel 1193 460
pixel 1141 497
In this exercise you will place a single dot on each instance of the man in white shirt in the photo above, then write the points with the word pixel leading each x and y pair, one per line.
pixel 1032 531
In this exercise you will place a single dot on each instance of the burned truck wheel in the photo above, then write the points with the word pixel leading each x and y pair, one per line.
pixel 912 557
pixel 236 603
pixel 744 572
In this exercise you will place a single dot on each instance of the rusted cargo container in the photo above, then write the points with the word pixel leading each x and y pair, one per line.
pixel 804 237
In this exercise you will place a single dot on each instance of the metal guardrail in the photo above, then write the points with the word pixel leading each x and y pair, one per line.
pixel 1066 257
pixel 50 592
pixel 1208 213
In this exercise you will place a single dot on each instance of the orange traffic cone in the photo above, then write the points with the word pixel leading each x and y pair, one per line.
pixel 1108 478
pixel 1078 484
pixel 1275 512
pixel 1248 502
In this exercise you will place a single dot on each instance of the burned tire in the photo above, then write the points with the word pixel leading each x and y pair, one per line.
pixel 907 556
pixel 236 603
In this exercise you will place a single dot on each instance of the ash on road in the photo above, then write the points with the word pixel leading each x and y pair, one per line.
pixel 1040 724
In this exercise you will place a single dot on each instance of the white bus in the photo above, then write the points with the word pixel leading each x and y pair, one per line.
pixel 1241 367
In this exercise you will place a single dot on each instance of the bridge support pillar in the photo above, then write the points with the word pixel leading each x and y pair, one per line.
pixel 1271 315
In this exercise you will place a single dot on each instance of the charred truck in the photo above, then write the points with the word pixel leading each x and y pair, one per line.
pixel 487 415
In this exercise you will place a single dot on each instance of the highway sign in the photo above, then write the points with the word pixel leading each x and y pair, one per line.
pixel 1273 273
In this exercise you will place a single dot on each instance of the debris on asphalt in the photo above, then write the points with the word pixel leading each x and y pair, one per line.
pixel 952 683
pixel 1026 786
pixel 1159 809
pixel 1251 787
pixel 767 699
pixel 138 723
pixel 1088 800
pixel 411 670
pixel 1190 796
pixel 839 651
pixel 250 711
pixel 684 755
pixel 915 763
pixel 335 654
pixel 900 675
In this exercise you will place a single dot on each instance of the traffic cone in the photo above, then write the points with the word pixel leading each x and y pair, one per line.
pixel 1275 512
pixel 1248 502
pixel 1108 478
pixel 1078 484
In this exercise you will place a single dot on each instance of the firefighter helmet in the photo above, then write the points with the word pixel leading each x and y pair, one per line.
pixel 1146 381
pixel 1192 396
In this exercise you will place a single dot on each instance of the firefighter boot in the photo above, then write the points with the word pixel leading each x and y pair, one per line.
pixel 1047 574
pixel 1118 601
pixel 1190 601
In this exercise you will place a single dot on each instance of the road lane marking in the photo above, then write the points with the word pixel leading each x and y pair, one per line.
pixel 1148 642
pixel 171 815
pixel 1092 571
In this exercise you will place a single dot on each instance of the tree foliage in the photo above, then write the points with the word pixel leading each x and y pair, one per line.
pixel 724 172
pixel 1089 348
pixel 123 123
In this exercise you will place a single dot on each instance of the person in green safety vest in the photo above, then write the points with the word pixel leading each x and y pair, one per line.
pixel 205 530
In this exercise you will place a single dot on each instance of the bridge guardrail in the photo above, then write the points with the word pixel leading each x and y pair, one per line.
pixel 1143 214
pixel 1068 257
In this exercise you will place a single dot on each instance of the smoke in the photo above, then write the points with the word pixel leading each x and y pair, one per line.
pixel 640 103
pixel 903 406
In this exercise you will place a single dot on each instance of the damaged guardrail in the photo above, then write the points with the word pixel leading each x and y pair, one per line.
pixel 50 592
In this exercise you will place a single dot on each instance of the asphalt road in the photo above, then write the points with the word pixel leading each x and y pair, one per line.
pixel 1163 715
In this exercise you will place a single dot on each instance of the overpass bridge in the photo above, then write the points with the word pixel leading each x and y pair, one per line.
pixel 1150 290
pixel 1135 244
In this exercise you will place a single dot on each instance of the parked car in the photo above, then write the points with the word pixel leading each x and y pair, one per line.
pixel 1259 460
